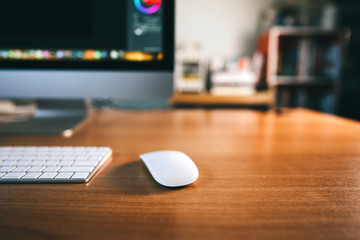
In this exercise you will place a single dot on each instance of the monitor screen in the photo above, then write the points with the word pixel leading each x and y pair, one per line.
pixel 86 48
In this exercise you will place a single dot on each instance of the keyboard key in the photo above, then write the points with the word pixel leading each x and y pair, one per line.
pixel 27 157
pixel 52 162
pixel 13 175
pixel 37 163
pixel 80 175
pixel 31 175
pixel 29 149
pixel 64 175
pixel 84 164
pixel 76 169
pixel 94 159
pixel 47 176
pixel 82 158
pixel 23 162
pixel 6 168
pixel 81 155
pixel 65 163
pixel 14 156
pixel 67 157
pixel 4 149
pixel 20 169
pixel 54 157
pixel 42 149
pixel 42 155
pixel 8 163
pixel 36 169
pixel 51 169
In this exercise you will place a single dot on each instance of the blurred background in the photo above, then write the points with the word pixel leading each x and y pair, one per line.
pixel 268 53
pixel 264 54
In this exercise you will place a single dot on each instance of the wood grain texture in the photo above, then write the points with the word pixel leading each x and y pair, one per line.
pixel 262 176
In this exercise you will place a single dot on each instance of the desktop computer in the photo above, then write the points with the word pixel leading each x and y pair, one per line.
pixel 62 52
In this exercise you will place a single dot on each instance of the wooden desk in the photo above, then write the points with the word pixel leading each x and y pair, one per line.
pixel 262 176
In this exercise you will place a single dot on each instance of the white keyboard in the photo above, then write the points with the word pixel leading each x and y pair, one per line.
pixel 51 164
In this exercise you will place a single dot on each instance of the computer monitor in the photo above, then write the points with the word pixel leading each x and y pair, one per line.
pixel 81 49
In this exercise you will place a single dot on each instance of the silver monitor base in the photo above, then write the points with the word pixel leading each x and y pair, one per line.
pixel 52 117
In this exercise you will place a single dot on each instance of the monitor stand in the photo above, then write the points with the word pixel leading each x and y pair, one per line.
pixel 52 117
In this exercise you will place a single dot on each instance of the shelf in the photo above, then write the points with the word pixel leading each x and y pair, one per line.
pixel 258 99
pixel 309 57
pixel 303 31
pixel 303 66
pixel 302 81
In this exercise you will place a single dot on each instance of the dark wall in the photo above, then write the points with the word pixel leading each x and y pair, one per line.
pixel 349 16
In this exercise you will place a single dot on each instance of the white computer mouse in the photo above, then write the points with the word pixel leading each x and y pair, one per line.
pixel 171 168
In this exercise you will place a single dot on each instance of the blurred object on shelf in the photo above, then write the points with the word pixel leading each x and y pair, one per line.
pixel 233 83
pixel 259 68
pixel 267 20
pixel 216 64
pixel 300 13
pixel 329 18
pixel 241 78
pixel 190 68
pixel 289 14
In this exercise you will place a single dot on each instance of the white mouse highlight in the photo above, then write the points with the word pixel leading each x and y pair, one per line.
pixel 171 168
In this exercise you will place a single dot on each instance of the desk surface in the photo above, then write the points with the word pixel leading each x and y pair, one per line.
pixel 262 176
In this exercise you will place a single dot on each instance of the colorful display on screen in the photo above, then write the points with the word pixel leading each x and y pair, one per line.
pixel 147 6
pixel 78 55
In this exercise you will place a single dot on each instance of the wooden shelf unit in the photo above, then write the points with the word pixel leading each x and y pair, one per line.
pixel 301 34
pixel 298 57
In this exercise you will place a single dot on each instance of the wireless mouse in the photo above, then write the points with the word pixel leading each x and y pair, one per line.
pixel 171 168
